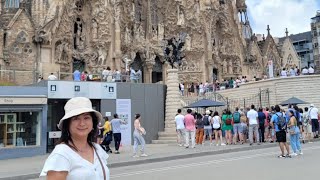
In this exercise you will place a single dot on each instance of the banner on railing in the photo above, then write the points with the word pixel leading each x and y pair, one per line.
pixel 91 90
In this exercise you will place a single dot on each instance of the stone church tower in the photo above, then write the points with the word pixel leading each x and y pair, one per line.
pixel 60 36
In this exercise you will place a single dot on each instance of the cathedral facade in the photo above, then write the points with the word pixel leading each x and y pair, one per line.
pixel 60 36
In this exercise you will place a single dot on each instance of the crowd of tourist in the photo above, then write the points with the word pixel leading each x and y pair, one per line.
pixel 200 89
pixel 295 71
pixel 250 125
pixel 107 75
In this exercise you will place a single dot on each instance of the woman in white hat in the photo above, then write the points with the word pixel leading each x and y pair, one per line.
pixel 77 157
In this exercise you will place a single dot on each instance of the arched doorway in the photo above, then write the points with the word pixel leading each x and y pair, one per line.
pixel 78 65
pixel 214 74
pixel 137 65
pixel 157 71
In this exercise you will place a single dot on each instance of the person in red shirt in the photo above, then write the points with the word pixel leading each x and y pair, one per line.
pixel 190 128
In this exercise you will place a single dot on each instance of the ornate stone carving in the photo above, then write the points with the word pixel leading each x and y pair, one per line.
pixel 94 29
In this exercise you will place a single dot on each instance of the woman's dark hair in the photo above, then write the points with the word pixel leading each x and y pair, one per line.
pixel 216 113
pixel 300 110
pixel 137 116
pixel 115 115
pixel 260 109
pixel 199 116
pixel 228 112
pixel 306 109
pixel 66 136
pixel 291 112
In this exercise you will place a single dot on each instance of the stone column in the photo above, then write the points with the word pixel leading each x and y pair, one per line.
pixel 148 73
pixel 172 99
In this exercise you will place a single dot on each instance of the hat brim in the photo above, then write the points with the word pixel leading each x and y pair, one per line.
pixel 77 112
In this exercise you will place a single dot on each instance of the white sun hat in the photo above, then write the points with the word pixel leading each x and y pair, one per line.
pixel 77 106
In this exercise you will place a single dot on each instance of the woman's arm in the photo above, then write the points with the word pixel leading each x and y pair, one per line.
pixel 57 175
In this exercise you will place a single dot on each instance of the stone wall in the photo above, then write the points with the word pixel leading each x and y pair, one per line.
pixel 303 87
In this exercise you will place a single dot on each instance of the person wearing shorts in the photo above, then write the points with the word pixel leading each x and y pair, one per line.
pixel 281 134
pixel 237 127
pixel 216 124
pixel 208 128
pixel 307 127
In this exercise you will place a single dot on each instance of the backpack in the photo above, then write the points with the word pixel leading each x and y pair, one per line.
pixel 206 120
pixel 229 120
pixel 282 123
pixel 236 117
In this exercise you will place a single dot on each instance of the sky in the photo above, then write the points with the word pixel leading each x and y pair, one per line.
pixel 281 14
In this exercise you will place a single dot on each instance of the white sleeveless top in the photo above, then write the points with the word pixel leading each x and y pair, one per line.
pixel 216 122
pixel 63 158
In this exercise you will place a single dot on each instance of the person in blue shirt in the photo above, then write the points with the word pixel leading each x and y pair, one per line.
pixel 76 75
pixel 281 134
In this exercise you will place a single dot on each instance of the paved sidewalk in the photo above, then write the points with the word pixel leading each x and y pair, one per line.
pixel 30 167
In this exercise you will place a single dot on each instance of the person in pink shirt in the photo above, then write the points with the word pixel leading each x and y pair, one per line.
pixel 190 128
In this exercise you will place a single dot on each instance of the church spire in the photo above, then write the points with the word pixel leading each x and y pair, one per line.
pixel 268 29
pixel 287 32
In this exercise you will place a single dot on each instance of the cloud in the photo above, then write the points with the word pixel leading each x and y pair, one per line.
pixel 280 14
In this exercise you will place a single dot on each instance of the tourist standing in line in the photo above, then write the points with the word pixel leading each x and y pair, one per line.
pixel 294 132
pixel 179 120
pixel 278 121
pixel 189 122
pixel 138 138
pixel 313 115
pixel 307 128
pixel 207 126
pixel 116 130
pixel 76 153
pixel 200 129
pixel 216 124
pixel 262 122
pixel 252 115
pixel 237 127
pixel 227 126
pixel 244 126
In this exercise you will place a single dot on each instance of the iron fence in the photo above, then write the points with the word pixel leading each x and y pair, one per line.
pixel 260 99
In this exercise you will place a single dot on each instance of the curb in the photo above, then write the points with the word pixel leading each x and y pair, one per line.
pixel 190 155
pixel 160 159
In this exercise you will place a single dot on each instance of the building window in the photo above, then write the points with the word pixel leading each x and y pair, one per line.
pixel 20 129
pixel 12 4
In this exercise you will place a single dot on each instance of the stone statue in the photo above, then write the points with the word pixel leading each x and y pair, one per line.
pixel 160 32
pixel 61 52
pixel 180 18
pixel 225 66
pixel 188 42
pixel 154 34
pixel 128 36
pixel 78 35
pixel 94 29
pixel 53 18
pixel 230 67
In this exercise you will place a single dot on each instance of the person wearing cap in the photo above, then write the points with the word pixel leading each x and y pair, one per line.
pixel 77 156
pixel 116 130
pixel 313 116
pixel 207 126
